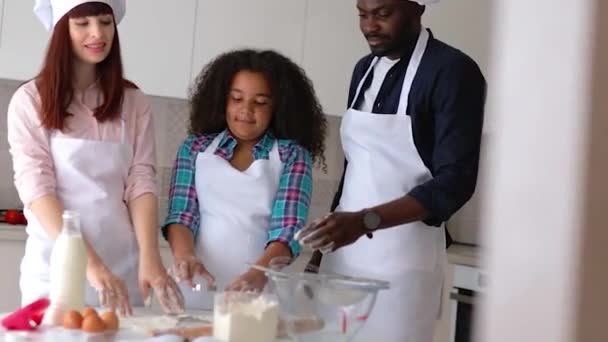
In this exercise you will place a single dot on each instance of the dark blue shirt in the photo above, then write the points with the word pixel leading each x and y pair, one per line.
pixel 446 106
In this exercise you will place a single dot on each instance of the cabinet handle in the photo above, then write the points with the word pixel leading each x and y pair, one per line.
pixel 462 298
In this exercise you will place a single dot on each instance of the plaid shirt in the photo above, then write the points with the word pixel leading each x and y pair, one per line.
pixel 291 203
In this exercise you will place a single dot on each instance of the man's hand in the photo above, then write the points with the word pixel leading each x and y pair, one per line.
pixel 334 231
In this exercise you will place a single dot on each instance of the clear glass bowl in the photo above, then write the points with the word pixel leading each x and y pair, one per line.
pixel 324 307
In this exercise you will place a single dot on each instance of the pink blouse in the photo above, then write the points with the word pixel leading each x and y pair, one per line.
pixel 29 141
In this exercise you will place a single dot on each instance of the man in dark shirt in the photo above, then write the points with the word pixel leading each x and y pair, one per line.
pixel 411 137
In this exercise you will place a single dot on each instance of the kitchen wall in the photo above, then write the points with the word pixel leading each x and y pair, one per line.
pixel 8 194
pixel 464 24
pixel 467 25
pixel 171 119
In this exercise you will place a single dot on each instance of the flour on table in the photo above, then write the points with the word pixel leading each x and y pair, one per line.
pixel 146 324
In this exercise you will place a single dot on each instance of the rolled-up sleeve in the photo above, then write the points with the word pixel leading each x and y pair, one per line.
pixel 142 173
pixel 458 104
pixel 34 174
pixel 292 201
pixel 183 198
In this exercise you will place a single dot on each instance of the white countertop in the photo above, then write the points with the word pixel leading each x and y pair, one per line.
pixel 457 254
pixel 11 232
pixel 128 331
pixel 464 255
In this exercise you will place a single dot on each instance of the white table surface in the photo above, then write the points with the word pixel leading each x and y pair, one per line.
pixel 123 335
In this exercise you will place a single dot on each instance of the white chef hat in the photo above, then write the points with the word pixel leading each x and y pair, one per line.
pixel 425 2
pixel 49 12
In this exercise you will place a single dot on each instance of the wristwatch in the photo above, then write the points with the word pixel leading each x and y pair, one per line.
pixel 371 221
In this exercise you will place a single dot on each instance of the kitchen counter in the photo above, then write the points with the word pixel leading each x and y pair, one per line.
pixel 457 253
pixel 11 232
pixel 464 255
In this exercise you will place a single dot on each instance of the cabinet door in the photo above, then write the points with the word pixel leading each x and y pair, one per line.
pixel 333 44
pixel 11 254
pixel 23 41
pixel 224 25
pixel 156 42
pixel 166 255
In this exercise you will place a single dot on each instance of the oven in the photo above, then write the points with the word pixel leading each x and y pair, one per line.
pixel 467 289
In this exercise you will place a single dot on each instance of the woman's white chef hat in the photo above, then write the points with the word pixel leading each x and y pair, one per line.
pixel 425 2
pixel 49 12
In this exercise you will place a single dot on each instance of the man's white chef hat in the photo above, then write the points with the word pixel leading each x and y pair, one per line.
pixel 49 12
pixel 425 2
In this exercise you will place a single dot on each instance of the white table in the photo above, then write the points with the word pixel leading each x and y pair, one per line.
pixel 123 335
pixel 120 337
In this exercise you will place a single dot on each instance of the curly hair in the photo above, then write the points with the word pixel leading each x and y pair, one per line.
pixel 297 114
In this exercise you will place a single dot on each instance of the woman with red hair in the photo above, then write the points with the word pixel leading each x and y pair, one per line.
pixel 81 138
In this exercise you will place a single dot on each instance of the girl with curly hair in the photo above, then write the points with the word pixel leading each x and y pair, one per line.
pixel 242 181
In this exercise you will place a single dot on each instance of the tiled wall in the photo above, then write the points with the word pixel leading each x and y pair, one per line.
pixel 170 118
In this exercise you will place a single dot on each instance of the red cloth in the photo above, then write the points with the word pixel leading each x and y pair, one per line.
pixel 28 317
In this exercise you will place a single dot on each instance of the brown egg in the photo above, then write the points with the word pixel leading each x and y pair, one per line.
pixel 88 311
pixel 93 324
pixel 72 320
pixel 111 321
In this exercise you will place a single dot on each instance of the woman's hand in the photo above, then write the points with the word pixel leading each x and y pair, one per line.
pixel 152 275
pixel 111 290
pixel 252 280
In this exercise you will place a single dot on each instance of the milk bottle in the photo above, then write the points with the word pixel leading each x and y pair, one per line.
pixel 67 270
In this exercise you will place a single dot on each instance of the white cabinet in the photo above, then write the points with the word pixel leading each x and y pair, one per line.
pixel 156 42
pixel 12 249
pixel 165 45
pixel 333 44
pixel 464 24
pixel 11 253
pixel 23 41
pixel 166 255
pixel 444 326
pixel 231 24
pixel 321 36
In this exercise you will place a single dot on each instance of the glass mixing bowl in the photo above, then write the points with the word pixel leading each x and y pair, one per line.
pixel 323 307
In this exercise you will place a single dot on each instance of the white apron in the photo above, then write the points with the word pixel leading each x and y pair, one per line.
pixel 383 165
pixel 91 179
pixel 235 211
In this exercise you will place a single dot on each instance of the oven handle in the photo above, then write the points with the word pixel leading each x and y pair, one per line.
pixel 462 298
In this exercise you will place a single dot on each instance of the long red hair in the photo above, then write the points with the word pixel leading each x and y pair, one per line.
pixel 55 80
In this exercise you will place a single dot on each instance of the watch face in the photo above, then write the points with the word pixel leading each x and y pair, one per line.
pixel 371 220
